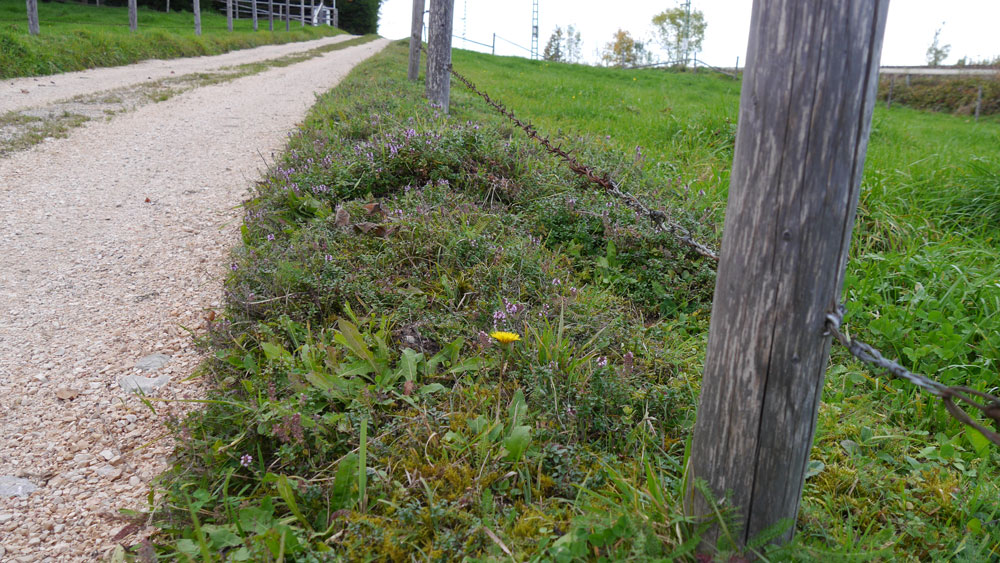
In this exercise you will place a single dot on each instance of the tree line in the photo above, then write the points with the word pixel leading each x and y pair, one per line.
pixel 679 31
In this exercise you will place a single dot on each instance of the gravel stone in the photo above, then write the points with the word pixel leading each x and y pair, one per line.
pixel 15 486
pixel 152 362
pixel 93 276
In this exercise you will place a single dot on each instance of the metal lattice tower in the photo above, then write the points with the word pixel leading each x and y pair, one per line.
pixel 534 30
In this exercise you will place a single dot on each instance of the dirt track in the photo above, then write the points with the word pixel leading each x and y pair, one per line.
pixel 112 242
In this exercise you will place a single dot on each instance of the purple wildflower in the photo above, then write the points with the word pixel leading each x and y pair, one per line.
pixel 246 460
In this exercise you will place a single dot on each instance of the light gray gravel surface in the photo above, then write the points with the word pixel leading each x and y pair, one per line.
pixel 113 242
pixel 20 93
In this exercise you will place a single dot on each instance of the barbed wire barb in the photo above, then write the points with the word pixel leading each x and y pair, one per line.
pixel 948 395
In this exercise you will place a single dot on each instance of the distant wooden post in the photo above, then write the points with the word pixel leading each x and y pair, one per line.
pixel 809 89
pixel 32 6
pixel 229 15
pixel 253 13
pixel 167 10
pixel 416 39
pixel 892 84
pixel 288 14
pixel 196 6
pixel 979 101
pixel 302 12
pixel 270 15
pixel 439 53
pixel 133 16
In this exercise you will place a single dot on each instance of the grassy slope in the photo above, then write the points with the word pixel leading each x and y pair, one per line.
pixel 570 443
pixel 75 37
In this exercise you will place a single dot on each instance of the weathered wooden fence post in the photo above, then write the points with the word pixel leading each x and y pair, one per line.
pixel 133 16
pixel 302 12
pixel 439 53
pixel 229 15
pixel 288 14
pixel 979 101
pixel 196 6
pixel 32 6
pixel 270 15
pixel 253 13
pixel 809 89
pixel 416 39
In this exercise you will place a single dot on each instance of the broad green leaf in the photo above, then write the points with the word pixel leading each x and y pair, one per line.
pixel 431 388
pixel 469 364
pixel 222 536
pixel 343 481
pixel 350 336
pixel 517 408
pixel 273 351
pixel 408 364
pixel 517 442
pixel 979 442
pixel 284 488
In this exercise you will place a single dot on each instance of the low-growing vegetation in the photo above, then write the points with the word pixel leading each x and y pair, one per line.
pixel 440 344
pixel 949 94
pixel 75 37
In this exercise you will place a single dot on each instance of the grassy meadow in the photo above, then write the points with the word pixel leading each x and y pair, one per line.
pixel 78 37
pixel 363 412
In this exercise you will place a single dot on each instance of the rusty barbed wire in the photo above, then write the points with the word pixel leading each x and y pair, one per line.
pixel 866 353
pixel 660 220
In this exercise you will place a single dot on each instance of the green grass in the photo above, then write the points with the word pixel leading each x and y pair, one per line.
pixel 362 413
pixel 75 37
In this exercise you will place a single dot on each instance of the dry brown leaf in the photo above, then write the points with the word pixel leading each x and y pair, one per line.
pixel 373 208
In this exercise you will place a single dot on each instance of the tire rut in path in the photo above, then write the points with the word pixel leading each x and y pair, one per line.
pixel 93 277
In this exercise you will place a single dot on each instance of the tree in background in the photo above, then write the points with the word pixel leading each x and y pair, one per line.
pixel 358 16
pixel 563 47
pixel 680 31
pixel 936 53
pixel 625 52
pixel 553 49
pixel 574 46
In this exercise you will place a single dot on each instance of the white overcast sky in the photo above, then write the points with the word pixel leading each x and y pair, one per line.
pixel 969 26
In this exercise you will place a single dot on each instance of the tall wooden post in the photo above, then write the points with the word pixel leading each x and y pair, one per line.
pixel 229 15
pixel 809 89
pixel 253 13
pixel 270 15
pixel 133 16
pixel 979 101
pixel 302 12
pixel 196 6
pixel 288 14
pixel 167 10
pixel 32 6
pixel 439 52
pixel 416 39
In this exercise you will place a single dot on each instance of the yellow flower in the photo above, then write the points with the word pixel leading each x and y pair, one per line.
pixel 505 337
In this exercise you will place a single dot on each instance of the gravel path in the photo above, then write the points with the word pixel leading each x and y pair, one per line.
pixel 20 93
pixel 112 241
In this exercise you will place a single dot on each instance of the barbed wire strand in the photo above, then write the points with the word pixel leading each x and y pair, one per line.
pixel 948 395
pixel 834 320
pixel 660 220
